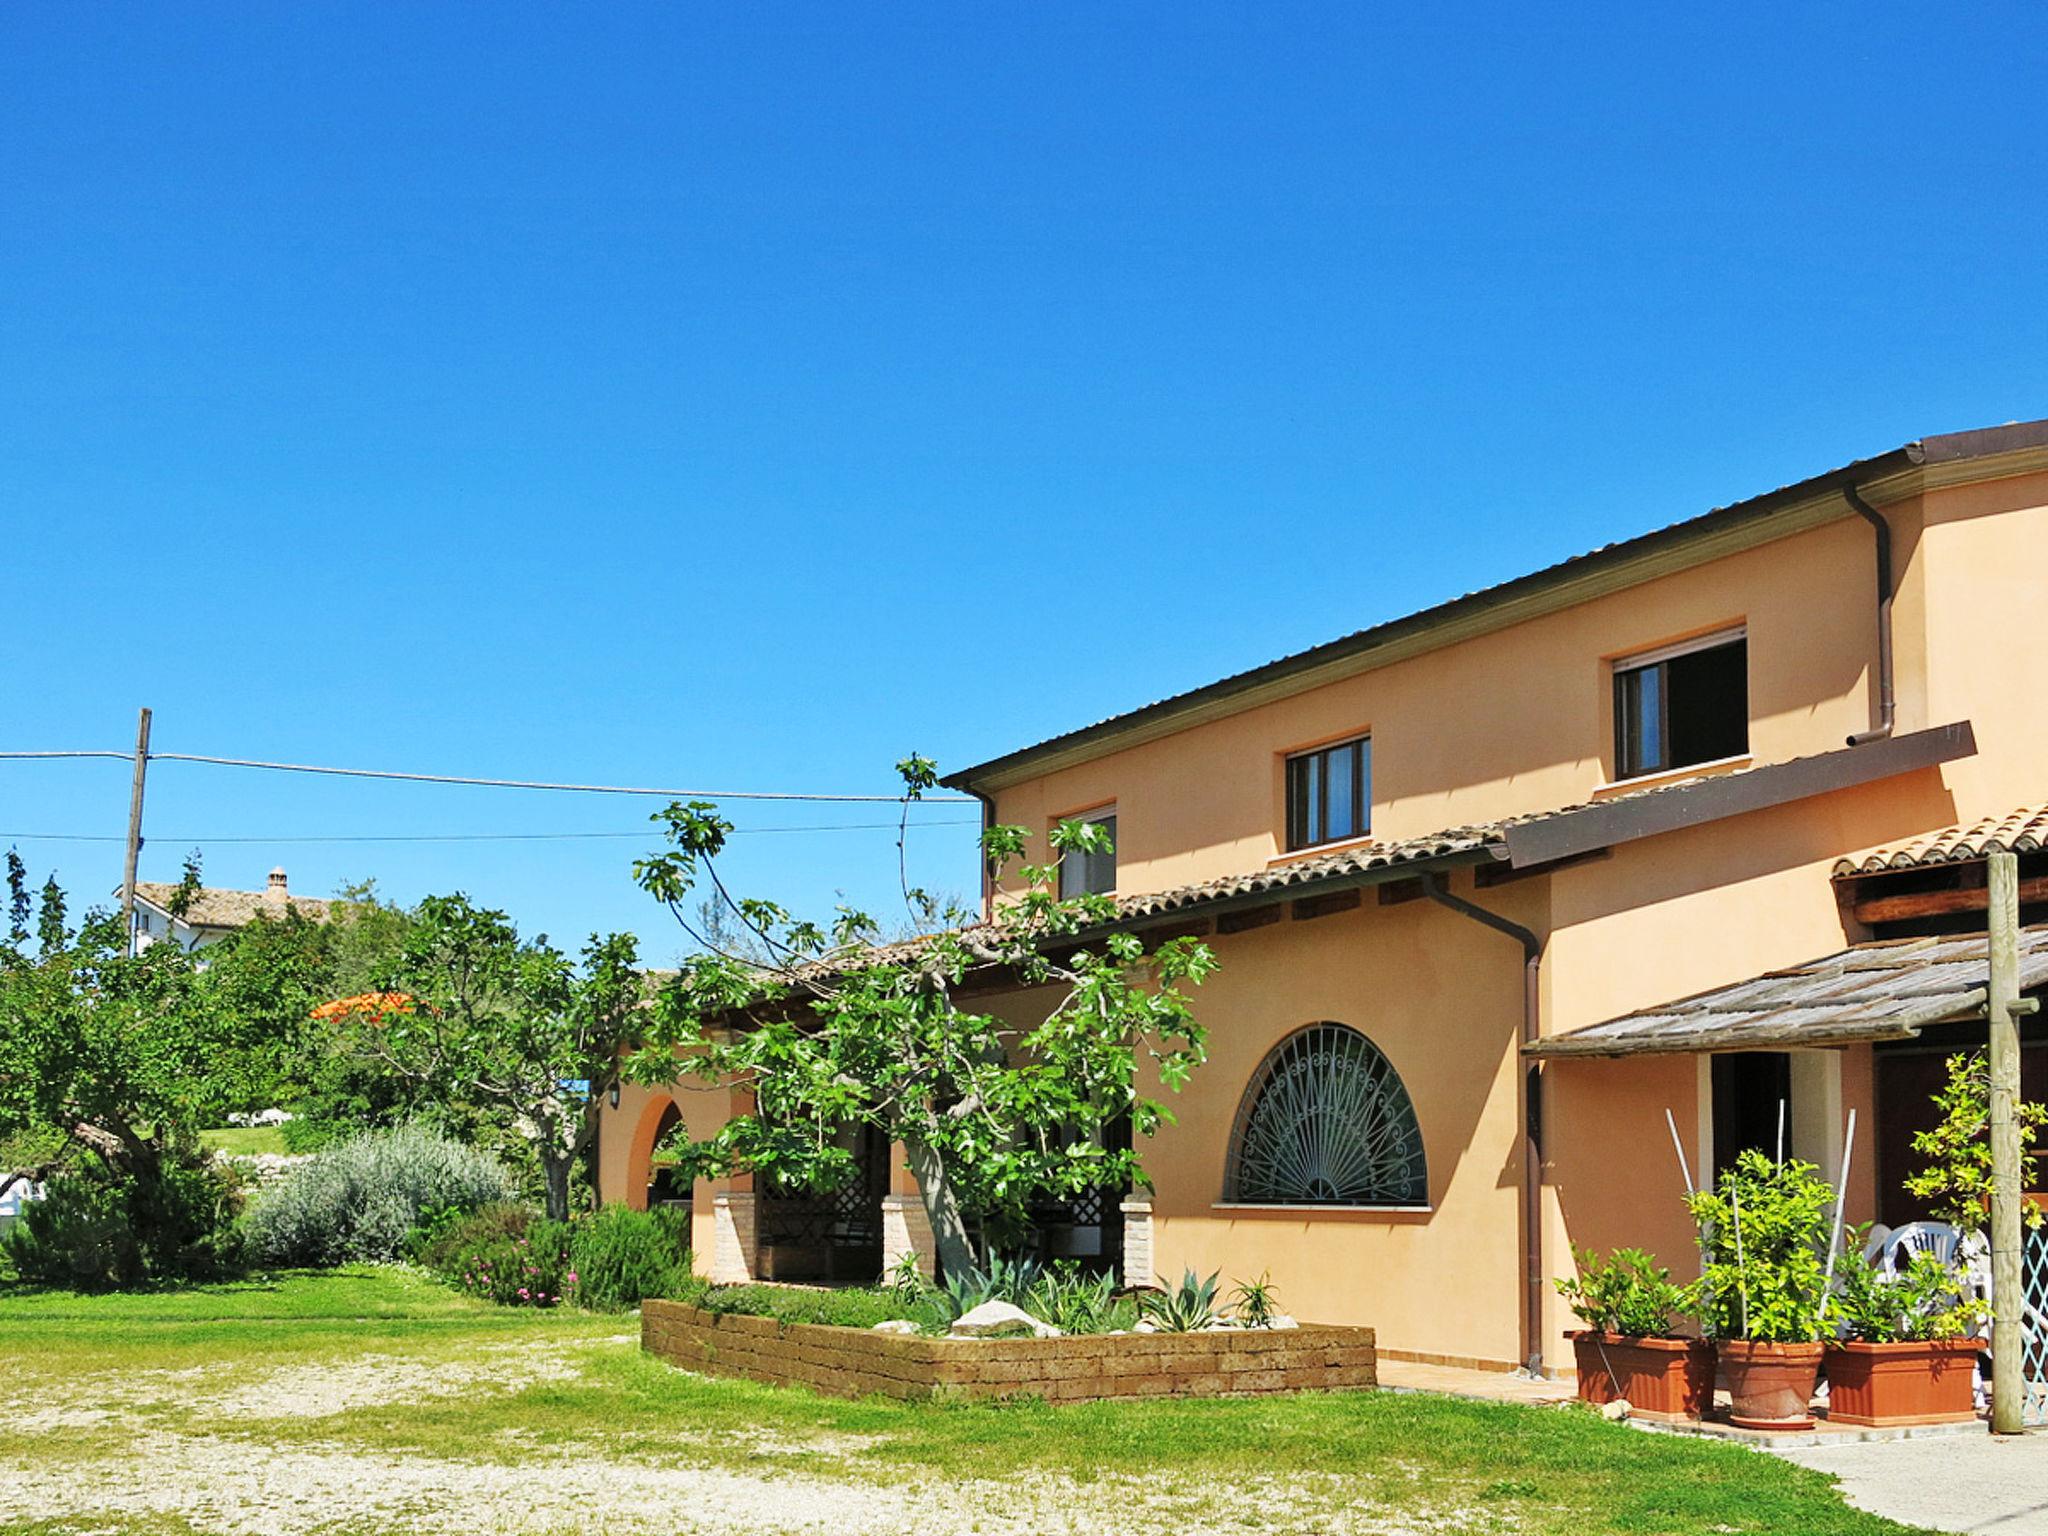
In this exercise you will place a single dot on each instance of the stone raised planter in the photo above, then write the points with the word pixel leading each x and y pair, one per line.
pixel 852 1362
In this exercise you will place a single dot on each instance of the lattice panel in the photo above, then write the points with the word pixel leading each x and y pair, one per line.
pixel 1327 1122
pixel 2034 1326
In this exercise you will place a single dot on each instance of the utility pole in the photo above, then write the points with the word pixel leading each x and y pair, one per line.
pixel 135 827
pixel 2002 1007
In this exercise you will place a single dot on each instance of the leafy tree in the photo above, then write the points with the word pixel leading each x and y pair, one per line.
pixel 52 932
pixel 482 1018
pixel 123 1056
pixel 833 1033
pixel 1956 1183
pixel 17 900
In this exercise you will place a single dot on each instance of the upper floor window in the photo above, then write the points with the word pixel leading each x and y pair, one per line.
pixel 1681 705
pixel 1329 793
pixel 1091 874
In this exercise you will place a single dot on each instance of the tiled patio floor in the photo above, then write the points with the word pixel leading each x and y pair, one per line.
pixel 1505 1387
pixel 1457 1381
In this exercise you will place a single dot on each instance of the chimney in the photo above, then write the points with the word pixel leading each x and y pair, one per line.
pixel 275 892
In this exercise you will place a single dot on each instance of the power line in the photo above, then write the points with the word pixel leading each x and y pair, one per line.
pixel 463 837
pixel 484 783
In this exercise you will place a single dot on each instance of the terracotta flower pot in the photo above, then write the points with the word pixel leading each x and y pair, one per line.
pixel 1769 1385
pixel 1661 1378
pixel 1927 1382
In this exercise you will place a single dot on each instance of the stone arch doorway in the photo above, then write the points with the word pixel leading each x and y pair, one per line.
pixel 650 1183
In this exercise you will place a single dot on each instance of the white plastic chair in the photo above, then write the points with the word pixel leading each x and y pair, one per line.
pixel 1880 1234
pixel 1935 1237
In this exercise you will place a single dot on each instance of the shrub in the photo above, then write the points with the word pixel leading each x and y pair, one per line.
pixel 1763 1234
pixel 1931 1300
pixel 850 1308
pixel 441 1248
pixel 102 1229
pixel 536 1270
pixel 1628 1293
pixel 358 1201
pixel 623 1256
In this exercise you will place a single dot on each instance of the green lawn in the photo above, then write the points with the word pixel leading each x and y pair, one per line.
pixel 244 1140
pixel 375 1401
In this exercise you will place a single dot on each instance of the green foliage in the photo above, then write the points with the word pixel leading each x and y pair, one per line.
pixel 837 1035
pixel 1931 1300
pixel 1076 1302
pixel 18 905
pixel 1001 1279
pixel 1763 1235
pixel 1956 1183
pixel 535 1269
pixel 851 1307
pixel 1255 1303
pixel 502 1026
pixel 358 1201
pixel 129 1056
pixel 438 1244
pixel 1628 1293
pixel 105 1227
pixel 1187 1307
pixel 622 1257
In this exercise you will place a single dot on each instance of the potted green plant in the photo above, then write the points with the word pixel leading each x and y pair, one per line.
pixel 1763 1293
pixel 1627 1350
pixel 1908 1355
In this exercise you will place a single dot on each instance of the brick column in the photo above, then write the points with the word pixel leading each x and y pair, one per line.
pixel 734 1255
pixel 906 1229
pixel 1137 1255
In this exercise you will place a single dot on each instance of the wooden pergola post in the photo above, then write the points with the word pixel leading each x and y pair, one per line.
pixel 2002 1007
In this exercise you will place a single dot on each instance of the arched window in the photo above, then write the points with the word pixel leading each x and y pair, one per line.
pixel 1326 1121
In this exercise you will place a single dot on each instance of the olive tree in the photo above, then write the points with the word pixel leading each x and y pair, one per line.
pixel 832 1031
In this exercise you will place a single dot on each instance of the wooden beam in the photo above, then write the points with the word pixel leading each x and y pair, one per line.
pixel 1915 904
pixel 1394 892
pixel 1322 906
pixel 1248 917
pixel 1485 876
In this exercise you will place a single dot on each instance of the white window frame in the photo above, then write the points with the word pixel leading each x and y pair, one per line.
pixel 1095 814
pixel 1621 666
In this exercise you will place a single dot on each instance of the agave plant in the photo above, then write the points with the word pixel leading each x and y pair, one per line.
pixel 1187 1307
pixel 1011 1280
pixel 1255 1303
pixel 1076 1302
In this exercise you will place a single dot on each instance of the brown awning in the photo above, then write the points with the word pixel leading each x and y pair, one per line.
pixel 1883 991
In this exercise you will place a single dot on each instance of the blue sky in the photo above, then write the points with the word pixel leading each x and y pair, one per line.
pixel 743 396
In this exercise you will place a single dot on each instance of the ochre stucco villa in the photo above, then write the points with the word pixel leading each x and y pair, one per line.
pixel 1694 823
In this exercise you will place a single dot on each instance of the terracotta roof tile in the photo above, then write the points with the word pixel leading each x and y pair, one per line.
pixel 2021 831
pixel 214 907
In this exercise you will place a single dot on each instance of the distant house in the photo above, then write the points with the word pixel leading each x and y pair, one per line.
pixel 214 913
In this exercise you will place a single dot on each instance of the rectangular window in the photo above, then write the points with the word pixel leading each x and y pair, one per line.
pixel 1091 874
pixel 1329 793
pixel 1682 705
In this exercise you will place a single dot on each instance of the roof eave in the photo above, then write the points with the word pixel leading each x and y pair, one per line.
pixel 1950 458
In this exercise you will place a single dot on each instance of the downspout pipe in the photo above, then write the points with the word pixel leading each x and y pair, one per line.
pixel 988 820
pixel 1529 1106
pixel 1887 703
